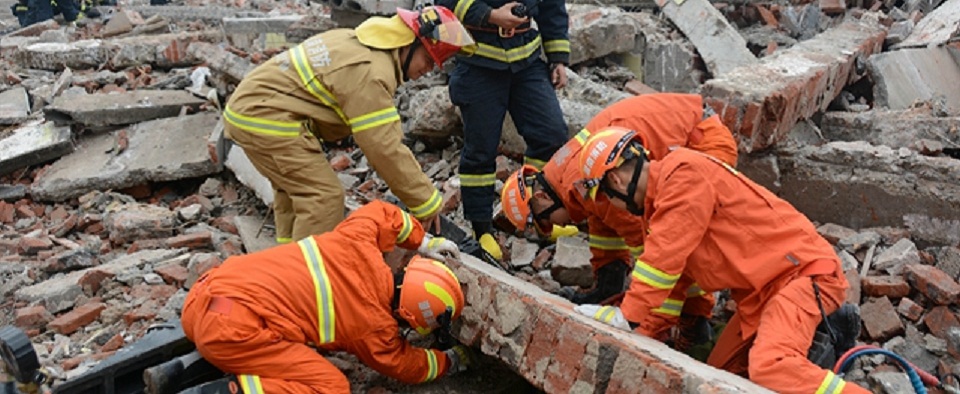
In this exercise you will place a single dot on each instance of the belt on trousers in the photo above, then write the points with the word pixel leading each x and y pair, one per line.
pixel 221 305
pixel 505 33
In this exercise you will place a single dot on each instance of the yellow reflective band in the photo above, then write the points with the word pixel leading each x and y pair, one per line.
pixel 605 314
pixel 832 384
pixel 636 251
pixel 471 180
pixel 606 243
pixel 429 207
pixel 653 277
pixel 374 119
pixel 440 293
pixel 432 367
pixel 582 136
pixel 250 384
pixel 298 55
pixel 556 46
pixel 461 9
pixel 284 240
pixel 508 56
pixel 538 164
pixel 405 230
pixel 262 126
pixel 670 307
pixel 729 168
pixel 321 285
pixel 695 291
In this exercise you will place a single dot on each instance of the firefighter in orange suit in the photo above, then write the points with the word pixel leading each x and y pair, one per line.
pixel 549 198
pixel 337 84
pixel 706 220
pixel 264 316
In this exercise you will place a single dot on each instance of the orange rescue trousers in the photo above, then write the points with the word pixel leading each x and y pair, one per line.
pixel 237 340
pixel 776 356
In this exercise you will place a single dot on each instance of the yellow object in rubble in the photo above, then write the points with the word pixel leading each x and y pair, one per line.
pixel 490 245
pixel 563 231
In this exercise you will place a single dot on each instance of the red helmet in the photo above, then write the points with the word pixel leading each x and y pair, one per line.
pixel 439 30
pixel 429 290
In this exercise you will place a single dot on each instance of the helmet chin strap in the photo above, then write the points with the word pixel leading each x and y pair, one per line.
pixel 557 202
pixel 628 198
pixel 406 62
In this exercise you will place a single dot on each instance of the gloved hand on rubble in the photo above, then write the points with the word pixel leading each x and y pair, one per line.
pixel 461 358
pixel 438 248
pixel 606 314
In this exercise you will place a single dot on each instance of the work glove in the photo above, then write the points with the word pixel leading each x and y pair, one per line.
pixel 436 248
pixel 606 314
pixel 461 359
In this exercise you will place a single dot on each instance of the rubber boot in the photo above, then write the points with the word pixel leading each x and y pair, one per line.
pixel 483 233
pixel 226 385
pixel 610 280
pixel 845 326
pixel 184 371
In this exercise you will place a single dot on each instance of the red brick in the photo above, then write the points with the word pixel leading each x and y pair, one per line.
pixel 880 319
pixel 225 224
pixel 88 220
pixel 854 291
pixel 196 240
pixel 833 233
pixel 9 246
pixel 205 204
pixel 939 320
pixel 885 286
pixel 933 283
pixel 146 244
pixel 33 317
pixel 7 212
pixel 65 227
pixel 229 194
pixel 229 247
pixel 95 229
pixel 91 280
pixel 768 18
pixel 73 362
pixel 58 213
pixel 25 211
pixel 638 88
pixel 198 268
pixel 833 7
pixel 152 292
pixel 114 343
pixel 173 274
pixel 71 321
pixel 451 200
pixel 910 309
pixel 147 311
pixel 341 162
pixel 32 245
pixel 138 192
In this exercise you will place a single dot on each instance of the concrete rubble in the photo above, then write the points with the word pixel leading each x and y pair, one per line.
pixel 118 190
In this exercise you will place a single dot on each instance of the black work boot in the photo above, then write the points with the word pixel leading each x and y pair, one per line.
pixel 226 385
pixel 845 326
pixel 184 371
pixel 610 280
pixel 692 331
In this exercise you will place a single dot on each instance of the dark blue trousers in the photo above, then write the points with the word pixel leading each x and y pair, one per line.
pixel 484 96
pixel 41 10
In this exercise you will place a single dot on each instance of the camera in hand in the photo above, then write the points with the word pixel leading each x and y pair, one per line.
pixel 520 11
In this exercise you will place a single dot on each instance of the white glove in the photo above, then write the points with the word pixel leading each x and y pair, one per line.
pixel 606 314
pixel 436 248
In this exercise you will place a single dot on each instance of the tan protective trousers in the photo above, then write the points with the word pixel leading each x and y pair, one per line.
pixel 307 195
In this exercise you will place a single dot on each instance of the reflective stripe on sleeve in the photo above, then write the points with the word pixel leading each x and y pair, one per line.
pixel 374 119
pixel 557 46
pixel 832 384
pixel 606 243
pixel 250 384
pixel 262 126
pixel 653 277
pixel 298 55
pixel 432 367
pixel 322 289
pixel 481 180
pixel 670 307
pixel 429 207
pixel 406 229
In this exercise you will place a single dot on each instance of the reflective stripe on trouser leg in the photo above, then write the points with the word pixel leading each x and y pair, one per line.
pixel 283 216
pixel 482 110
pixel 536 112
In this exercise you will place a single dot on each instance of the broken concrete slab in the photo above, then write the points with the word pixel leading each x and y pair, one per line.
pixel 431 114
pixel 9 44
pixel 267 32
pixel 660 59
pixel 571 263
pixel 902 78
pixel 60 293
pixel 121 22
pixel 162 50
pixel 886 187
pixel 761 104
pixel 599 31
pixel 120 108
pixel 158 150
pixel 891 127
pixel 212 14
pixel 254 239
pixel 34 143
pixel 936 28
pixel 12 193
pixel 220 60
pixel 540 336
pixel 247 174
pixel 719 44
pixel 14 106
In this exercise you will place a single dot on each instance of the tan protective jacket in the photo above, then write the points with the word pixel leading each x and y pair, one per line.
pixel 334 86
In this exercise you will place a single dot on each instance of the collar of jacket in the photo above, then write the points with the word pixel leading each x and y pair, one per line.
pixel 397 65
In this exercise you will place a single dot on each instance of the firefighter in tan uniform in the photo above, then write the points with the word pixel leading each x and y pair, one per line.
pixel 333 85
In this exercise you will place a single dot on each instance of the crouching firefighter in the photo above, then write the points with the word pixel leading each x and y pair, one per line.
pixel 706 220
pixel 267 317
pixel 336 84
